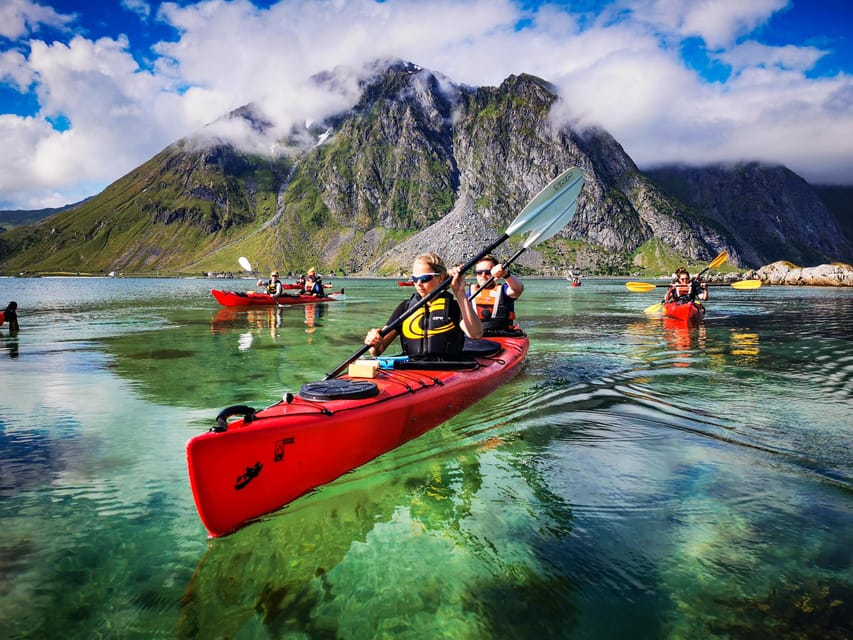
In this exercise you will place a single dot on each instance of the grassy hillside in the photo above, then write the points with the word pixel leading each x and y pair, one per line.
pixel 181 211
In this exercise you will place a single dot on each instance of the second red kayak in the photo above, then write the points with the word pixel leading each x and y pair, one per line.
pixel 253 298
pixel 687 311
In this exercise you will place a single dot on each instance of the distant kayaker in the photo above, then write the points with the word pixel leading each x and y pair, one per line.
pixel 685 289
pixel 495 304
pixel 313 284
pixel 272 286
pixel 10 316
pixel 437 330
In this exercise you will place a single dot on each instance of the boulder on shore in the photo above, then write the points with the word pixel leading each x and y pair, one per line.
pixel 836 274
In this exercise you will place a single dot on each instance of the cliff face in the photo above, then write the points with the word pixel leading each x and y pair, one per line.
pixel 769 212
pixel 420 163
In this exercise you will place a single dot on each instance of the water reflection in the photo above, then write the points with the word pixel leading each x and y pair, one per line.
pixel 745 347
pixel 685 339
pixel 271 319
pixel 11 346
pixel 460 536
pixel 313 315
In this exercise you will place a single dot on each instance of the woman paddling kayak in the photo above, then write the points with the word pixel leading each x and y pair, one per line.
pixel 439 328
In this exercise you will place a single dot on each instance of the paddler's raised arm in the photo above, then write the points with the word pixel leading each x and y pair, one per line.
pixel 471 324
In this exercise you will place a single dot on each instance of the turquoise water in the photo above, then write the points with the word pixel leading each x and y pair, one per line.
pixel 637 480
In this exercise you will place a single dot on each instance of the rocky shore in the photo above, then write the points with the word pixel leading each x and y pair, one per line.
pixel 836 274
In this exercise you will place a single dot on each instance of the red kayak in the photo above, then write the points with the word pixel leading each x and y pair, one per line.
pixel 686 312
pixel 244 469
pixel 253 298
pixel 405 283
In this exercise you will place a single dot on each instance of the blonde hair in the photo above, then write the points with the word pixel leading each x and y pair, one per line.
pixel 435 263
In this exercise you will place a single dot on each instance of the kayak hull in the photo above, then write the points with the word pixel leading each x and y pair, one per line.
pixel 253 298
pixel 686 312
pixel 255 467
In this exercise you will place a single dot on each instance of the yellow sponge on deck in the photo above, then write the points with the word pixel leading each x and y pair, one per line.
pixel 363 369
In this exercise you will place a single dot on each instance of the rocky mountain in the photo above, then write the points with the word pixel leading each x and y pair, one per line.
pixel 420 163
pixel 770 212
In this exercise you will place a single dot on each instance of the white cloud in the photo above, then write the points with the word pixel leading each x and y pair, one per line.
pixel 119 115
pixel 620 70
pixel 718 22
pixel 15 70
pixel 139 7
pixel 19 18
pixel 753 54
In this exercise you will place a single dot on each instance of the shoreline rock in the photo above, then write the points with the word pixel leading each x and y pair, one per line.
pixel 836 274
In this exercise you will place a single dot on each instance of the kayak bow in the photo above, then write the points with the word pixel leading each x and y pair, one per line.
pixel 686 312
pixel 244 469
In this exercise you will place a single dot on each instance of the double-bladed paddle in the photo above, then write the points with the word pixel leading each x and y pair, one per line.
pixel 543 217
pixel 244 262
pixel 644 287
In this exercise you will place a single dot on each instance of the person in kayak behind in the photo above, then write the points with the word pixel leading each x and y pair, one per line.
pixel 495 304
pixel 313 285
pixel 685 289
pixel 437 330
pixel 272 286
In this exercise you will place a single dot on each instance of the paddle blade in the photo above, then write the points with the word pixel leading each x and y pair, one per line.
pixel 247 266
pixel 542 234
pixel 549 204
pixel 746 284
pixel 640 287
pixel 720 259
pixel 653 308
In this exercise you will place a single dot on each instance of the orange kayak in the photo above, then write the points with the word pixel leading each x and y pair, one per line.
pixel 687 311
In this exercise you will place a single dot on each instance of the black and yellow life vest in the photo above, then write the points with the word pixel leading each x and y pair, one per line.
pixel 431 330
pixel 494 307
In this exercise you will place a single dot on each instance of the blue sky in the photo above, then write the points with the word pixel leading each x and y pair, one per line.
pixel 90 90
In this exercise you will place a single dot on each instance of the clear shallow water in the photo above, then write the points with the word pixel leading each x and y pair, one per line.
pixel 636 480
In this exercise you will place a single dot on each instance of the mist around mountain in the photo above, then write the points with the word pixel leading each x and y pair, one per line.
pixel 421 163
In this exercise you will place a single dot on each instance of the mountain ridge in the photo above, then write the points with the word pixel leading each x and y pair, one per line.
pixel 421 163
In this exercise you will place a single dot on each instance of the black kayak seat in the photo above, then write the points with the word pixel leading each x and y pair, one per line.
pixel 481 347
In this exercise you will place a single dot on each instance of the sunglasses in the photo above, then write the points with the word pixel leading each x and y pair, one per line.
pixel 425 277
pixel 484 272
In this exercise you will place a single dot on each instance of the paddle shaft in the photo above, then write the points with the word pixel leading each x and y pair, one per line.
pixel 432 295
